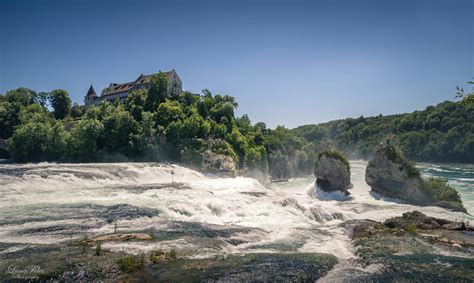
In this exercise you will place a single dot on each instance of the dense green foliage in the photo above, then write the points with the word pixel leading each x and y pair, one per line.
pixel 153 125
pixel 441 190
pixel 60 102
pixel 147 126
pixel 441 133
pixel 14 101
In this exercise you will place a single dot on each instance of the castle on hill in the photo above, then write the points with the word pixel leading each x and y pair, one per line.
pixel 121 91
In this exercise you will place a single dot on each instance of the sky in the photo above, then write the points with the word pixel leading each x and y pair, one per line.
pixel 289 63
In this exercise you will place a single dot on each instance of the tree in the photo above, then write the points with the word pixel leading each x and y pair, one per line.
pixel 8 118
pixel 256 159
pixel 220 110
pixel 260 126
pixel 135 103
pixel 10 106
pixel 168 112
pixel 148 138
pixel 244 124
pixel 57 142
pixel 119 125
pixel 60 102
pixel 158 91
pixel 85 139
pixel 238 142
pixel 29 142
pixel 202 109
pixel 42 98
pixel 34 113
pixel 174 131
pixel 195 126
pixel 188 98
pixel 77 111
pixel 23 96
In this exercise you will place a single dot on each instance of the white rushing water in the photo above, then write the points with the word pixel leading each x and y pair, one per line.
pixel 36 199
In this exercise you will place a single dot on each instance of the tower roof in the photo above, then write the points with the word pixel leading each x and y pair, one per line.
pixel 91 92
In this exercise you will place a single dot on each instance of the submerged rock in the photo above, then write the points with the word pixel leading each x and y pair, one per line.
pixel 126 212
pixel 391 175
pixel 332 172
pixel 123 237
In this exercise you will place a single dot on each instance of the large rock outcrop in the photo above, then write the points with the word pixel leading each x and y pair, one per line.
pixel 332 172
pixel 219 163
pixel 391 175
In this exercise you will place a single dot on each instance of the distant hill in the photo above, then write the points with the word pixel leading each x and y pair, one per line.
pixel 441 133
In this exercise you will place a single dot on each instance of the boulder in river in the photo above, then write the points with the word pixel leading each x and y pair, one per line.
pixel 332 171
pixel 391 175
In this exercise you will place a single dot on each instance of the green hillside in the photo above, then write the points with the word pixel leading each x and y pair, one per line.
pixel 441 133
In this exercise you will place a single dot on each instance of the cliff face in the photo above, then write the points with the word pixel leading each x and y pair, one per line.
pixel 218 163
pixel 391 175
pixel 332 173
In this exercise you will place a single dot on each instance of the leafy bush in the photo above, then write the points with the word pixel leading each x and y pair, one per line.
pixel 172 254
pixel 441 190
pixel 131 263
pixel 411 229
pixel 159 255
pixel 155 256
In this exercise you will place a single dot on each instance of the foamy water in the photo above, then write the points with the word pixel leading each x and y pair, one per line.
pixel 293 216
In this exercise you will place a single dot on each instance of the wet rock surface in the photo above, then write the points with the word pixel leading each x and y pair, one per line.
pixel 242 268
pixel 78 211
pixel 79 261
pixel 126 212
pixel 414 247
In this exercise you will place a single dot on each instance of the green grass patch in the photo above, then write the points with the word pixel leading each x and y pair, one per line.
pixel 159 255
pixel 131 263
pixel 411 229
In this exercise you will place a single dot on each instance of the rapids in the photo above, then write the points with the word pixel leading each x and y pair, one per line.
pixel 47 203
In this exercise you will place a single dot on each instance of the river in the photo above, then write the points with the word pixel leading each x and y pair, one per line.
pixel 49 203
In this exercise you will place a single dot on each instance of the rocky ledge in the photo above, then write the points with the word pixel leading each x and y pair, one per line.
pixel 332 171
pixel 391 175
pixel 414 247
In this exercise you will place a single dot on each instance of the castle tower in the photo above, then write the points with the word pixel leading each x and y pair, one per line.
pixel 91 97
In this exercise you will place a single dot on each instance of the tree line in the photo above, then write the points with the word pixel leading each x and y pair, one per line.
pixel 441 133
pixel 153 125
pixel 149 125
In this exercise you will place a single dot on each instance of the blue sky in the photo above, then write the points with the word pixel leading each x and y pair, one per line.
pixel 287 62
